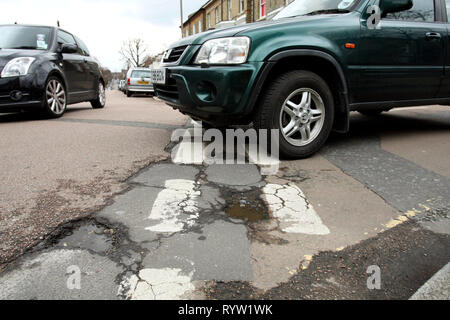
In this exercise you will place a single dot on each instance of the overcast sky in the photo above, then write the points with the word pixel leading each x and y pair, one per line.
pixel 104 24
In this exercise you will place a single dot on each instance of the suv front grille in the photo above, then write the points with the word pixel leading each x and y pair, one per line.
pixel 175 54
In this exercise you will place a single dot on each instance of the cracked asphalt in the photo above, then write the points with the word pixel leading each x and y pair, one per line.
pixel 101 196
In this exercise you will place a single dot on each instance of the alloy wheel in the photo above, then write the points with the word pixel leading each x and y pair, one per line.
pixel 101 94
pixel 56 97
pixel 302 117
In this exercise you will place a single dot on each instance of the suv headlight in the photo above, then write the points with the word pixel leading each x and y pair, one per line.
pixel 224 51
pixel 17 67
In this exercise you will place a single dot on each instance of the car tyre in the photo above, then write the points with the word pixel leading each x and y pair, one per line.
pixel 129 94
pixel 100 102
pixel 300 105
pixel 54 101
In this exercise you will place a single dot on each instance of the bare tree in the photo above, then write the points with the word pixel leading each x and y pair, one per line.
pixel 134 51
pixel 148 60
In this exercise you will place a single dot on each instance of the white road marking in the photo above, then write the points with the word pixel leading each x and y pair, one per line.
pixel 288 204
pixel 172 204
pixel 157 284
pixel 192 150
pixel 188 152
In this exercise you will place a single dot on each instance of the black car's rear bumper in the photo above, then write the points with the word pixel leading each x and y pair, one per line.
pixel 17 93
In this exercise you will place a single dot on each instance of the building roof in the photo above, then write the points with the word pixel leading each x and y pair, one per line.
pixel 203 7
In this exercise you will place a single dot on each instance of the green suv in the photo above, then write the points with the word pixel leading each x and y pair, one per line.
pixel 305 70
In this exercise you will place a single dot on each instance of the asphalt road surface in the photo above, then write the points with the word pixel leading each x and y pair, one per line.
pixel 99 204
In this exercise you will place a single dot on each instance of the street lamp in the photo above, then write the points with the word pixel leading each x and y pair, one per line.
pixel 181 15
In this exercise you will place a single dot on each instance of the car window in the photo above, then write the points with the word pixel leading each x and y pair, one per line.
pixel 140 74
pixel 65 38
pixel 83 48
pixel 422 10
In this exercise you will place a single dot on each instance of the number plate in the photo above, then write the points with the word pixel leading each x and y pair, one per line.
pixel 143 82
pixel 158 76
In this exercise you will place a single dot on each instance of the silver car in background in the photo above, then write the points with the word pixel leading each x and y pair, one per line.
pixel 138 81
pixel 122 85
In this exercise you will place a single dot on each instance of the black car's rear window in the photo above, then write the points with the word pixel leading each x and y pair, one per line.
pixel 25 37
pixel 140 74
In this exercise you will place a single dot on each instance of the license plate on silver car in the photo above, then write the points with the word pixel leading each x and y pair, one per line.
pixel 158 76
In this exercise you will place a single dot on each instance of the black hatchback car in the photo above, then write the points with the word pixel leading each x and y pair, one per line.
pixel 46 69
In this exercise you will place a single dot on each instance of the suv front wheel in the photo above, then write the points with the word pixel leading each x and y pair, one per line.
pixel 300 105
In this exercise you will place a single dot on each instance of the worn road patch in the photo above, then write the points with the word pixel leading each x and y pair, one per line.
pixel 45 277
pixel 407 256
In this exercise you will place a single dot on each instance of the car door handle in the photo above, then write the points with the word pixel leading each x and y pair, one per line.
pixel 433 35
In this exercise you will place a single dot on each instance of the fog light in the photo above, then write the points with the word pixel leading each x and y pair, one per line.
pixel 16 95
pixel 206 91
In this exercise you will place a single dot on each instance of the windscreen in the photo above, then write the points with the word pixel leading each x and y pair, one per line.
pixel 140 74
pixel 304 7
pixel 23 37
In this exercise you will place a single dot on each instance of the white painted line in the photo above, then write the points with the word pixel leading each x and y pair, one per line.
pixel 187 152
pixel 295 214
pixel 157 284
pixel 177 201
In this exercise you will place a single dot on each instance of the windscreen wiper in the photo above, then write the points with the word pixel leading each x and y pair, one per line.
pixel 330 11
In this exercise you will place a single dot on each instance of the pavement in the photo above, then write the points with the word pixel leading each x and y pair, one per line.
pixel 95 207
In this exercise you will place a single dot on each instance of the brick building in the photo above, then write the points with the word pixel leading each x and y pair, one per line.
pixel 226 13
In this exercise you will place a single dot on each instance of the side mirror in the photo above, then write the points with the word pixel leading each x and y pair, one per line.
pixel 68 48
pixel 391 6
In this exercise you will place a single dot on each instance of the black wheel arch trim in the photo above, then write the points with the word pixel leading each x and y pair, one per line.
pixel 58 73
pixel 342 121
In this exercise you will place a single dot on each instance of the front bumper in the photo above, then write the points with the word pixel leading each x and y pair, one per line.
pixel 214 93
pixel 17 93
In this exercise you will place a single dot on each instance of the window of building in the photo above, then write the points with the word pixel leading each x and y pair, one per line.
pixel 208 20
pixel 194 28
pixel 263 8
pixel 200 27
pixel 230 13
pixel 241 5
pixel 217 15
pixel 422 10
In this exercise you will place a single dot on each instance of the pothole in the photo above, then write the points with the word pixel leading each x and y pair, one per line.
pixel 247 207
pixel 90 236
